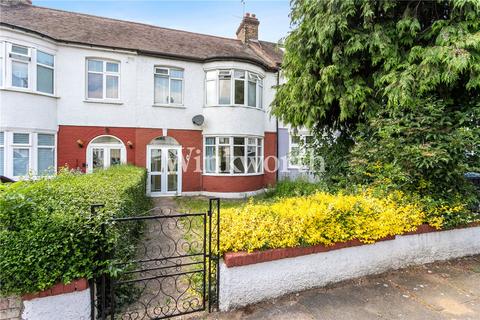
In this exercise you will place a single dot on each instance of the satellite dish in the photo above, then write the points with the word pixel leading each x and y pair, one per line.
pixel 198 120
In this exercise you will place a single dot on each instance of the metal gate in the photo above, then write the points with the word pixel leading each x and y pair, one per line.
pixel 170 270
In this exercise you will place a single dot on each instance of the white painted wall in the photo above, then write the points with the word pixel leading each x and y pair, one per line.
pixel 71 306
pixel 240 286
pixel 135 106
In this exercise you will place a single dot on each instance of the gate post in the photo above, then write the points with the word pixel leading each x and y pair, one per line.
pixel 213 277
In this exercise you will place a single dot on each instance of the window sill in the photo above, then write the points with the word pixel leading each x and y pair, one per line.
pixel 169 106
pixel 29 92
pixel 117 102
pixel 232 175
pixel 234 106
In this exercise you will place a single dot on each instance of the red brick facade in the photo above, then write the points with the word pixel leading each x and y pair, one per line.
pixel 72 155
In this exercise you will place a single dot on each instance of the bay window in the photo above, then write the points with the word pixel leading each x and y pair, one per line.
pixel 233 87
pixel 103 78
pixel 168 86
pixel 233 155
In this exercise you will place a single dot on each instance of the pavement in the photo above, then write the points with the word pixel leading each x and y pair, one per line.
pixel 442 290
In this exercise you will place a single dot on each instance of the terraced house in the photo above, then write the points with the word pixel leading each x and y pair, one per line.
pixel 89 92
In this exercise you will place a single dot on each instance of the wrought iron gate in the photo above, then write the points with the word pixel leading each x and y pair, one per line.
pixel 172 270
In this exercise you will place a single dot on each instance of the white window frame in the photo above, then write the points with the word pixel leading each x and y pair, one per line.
pixel 170 78
pixel 54 147
pixel 259 84
pixel 104 74
pixel 302 151
pixel 231 146
pixel 21 58
pixel 3 64
pixel 45 66
pixel 22 146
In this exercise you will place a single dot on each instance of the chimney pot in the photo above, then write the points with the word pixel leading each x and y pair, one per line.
pixel 248 29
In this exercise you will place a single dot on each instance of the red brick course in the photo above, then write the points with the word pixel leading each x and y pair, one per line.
pixel 72 155
pixel 59 288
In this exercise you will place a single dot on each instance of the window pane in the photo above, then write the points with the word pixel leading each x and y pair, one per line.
pixel 239 92
pixel 112 67
pixel 161 90
pixel 295 139
pixel 44 58
pixel 224 155
pixel 224 94
pixel 239 141
pixel 95 65
pixel 155 160
pixel 19 74
pixel 239 74
pixel 260 97
pixel 112 87
pixel 115 157
pixel 20 50
pixel 251 156
pixel 21 138
pixel 46 161
pixel 210 140
pixel 20 162
pixel 44 79
pixel 2 160
pixel 156 183
pixel 223 140
pixel 175 73
pixel 97 158
pixel 210 159
pixel 161 71
pixel 46 139
pixel 176 91
pixel 172 182
pixel 95 85
pixel 252 94
pixel 211 93
pixel 107 140
pixel 172 165
pixel 239 159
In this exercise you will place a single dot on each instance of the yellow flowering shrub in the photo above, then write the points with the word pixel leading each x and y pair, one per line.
pixel 321 218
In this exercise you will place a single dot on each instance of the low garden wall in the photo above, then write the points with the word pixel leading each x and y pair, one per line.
pixel 247 278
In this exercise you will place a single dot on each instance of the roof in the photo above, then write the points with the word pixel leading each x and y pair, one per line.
pixel 77 28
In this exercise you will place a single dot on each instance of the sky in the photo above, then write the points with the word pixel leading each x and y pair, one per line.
pixel 220 17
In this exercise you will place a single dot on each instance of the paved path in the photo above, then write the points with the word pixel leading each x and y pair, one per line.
pixel 444 290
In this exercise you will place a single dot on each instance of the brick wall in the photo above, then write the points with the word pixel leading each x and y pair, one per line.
pixel 10 308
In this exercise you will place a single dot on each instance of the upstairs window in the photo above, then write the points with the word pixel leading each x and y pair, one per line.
pixel 45 71
pixel 103 78
pixel 19 63
pixel 168 86
pixel 234 87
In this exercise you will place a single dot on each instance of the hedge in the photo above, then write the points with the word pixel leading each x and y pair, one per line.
pixel 47 234
pixel 321 218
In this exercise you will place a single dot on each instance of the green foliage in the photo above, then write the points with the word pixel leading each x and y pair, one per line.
pixel 47 234
pixel 294 188
pixel 400 81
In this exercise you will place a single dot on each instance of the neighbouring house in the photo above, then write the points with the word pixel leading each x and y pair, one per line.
pixel 89 92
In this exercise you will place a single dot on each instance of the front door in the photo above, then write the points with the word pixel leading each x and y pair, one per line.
pixel 164 170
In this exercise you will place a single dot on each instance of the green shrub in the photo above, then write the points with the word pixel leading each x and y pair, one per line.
pixel 47 234
pixel 290 188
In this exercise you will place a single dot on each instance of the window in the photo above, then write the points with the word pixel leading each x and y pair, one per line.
pixel 233 87
pixel 233 155
pixel 20 61
pixel 105 151
pixel 1 63
pixel 2 153
pixel 168 86
pixel 21 154
pixel 45 71
pixel 298 148
pixel 103 78
pixel 45 154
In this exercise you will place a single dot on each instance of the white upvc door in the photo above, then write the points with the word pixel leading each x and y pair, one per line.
pixel 164 170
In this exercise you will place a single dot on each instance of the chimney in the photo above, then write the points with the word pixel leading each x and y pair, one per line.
pixel 248 29
pixel 15 2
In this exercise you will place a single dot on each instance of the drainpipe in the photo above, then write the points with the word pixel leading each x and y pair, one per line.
pixel 276 120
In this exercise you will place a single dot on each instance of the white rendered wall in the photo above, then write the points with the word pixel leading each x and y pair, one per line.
pixel 71 306
pixel 240 286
